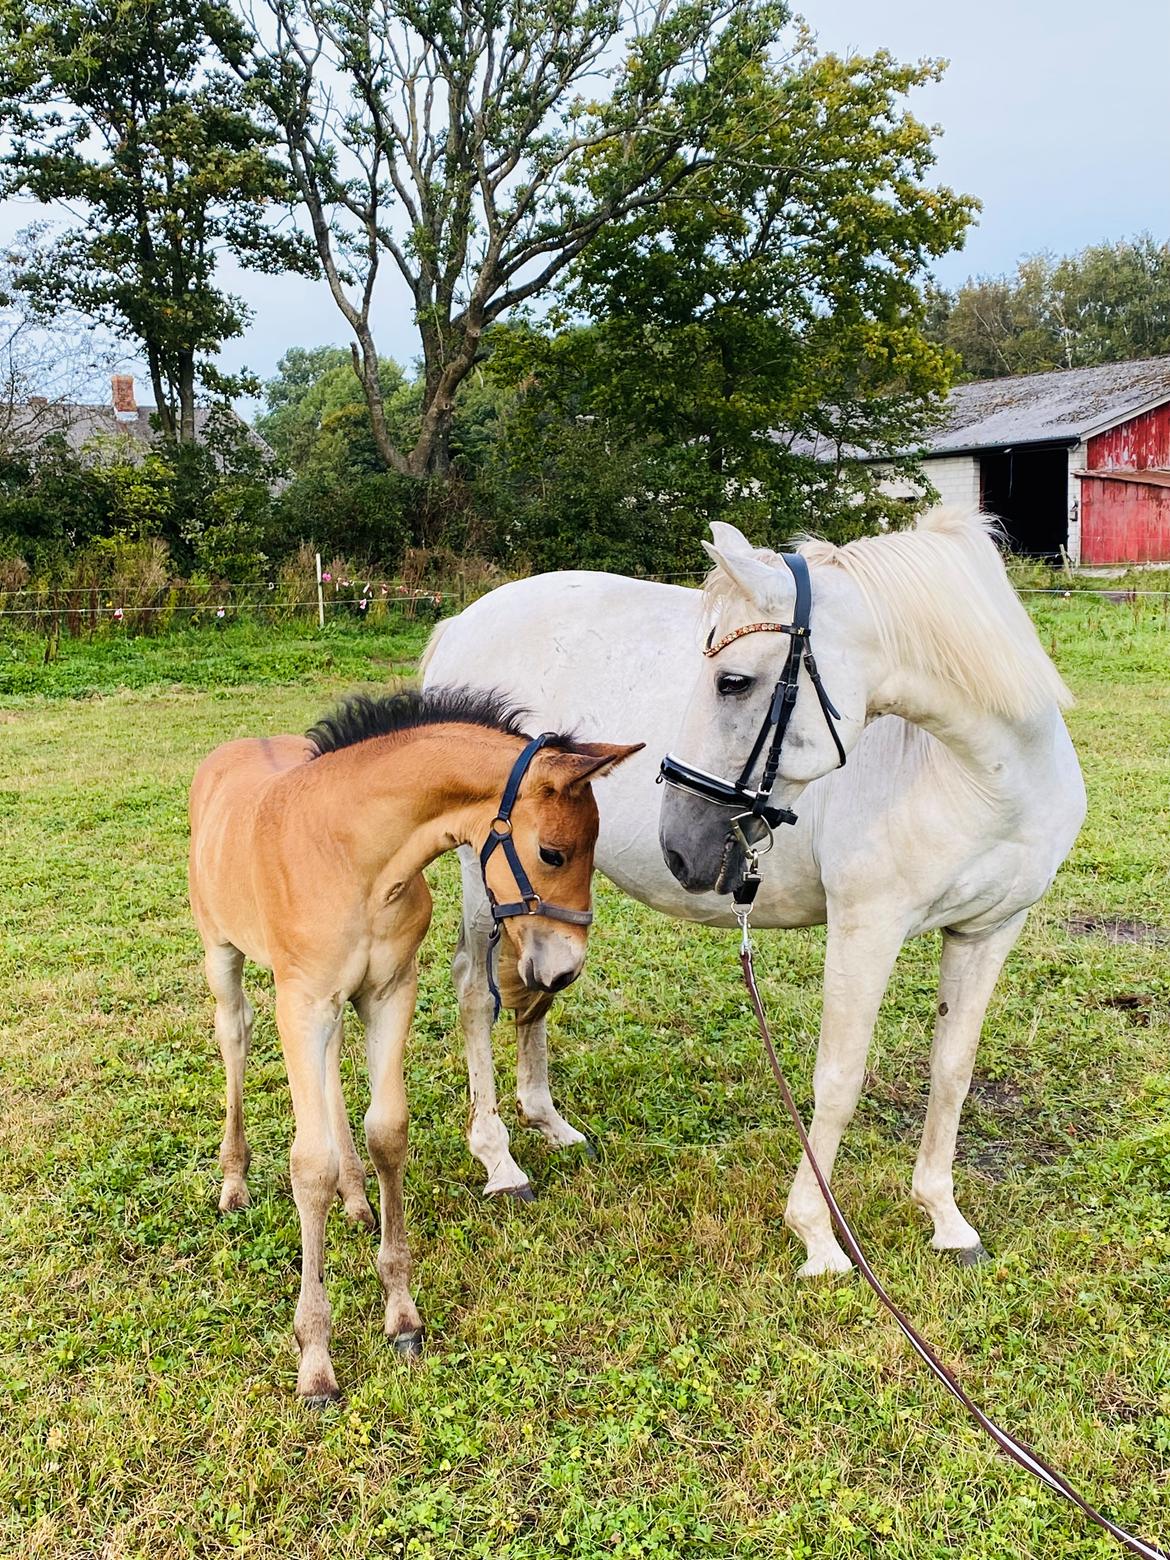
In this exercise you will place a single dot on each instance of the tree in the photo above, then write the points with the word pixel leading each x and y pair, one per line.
pixel 474 148
pixel 772 302
pixel 1106 304
pixel 110 107
pixel 44 365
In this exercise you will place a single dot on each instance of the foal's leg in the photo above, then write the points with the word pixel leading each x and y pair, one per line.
pixel 233 1030
pixel 969 971
pixel 487 1136
pixel 387 1017
pixel 858 961
pixel 351 1174
pixel 306 1025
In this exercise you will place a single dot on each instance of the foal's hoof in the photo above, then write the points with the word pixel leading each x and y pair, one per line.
pixel 361 1213
pixel 972 1256
pixel 320 1401
pixel 321 1393
pixel 409 1345
pixel 234 1197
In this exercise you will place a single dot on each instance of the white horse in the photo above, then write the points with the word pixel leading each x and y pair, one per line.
pixel 960 798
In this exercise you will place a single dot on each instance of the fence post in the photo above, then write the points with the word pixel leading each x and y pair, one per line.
pixel 320 595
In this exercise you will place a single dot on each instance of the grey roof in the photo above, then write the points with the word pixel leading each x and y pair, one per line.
pixel 1065 405
pixel 1031 408
pixel 30 424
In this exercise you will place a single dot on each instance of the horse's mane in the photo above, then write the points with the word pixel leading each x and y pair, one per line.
pixel 360 716
pixel 943 607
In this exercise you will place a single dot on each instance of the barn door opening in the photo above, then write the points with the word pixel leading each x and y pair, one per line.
pixel 1028 490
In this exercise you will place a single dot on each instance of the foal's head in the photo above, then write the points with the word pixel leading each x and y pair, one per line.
pixel 554 830
pixel 552 823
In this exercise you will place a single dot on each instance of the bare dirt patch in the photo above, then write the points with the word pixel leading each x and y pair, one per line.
pixel 1117 929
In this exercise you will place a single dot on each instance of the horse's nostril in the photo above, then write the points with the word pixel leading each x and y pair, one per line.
pixel 677 865
pixel 559 982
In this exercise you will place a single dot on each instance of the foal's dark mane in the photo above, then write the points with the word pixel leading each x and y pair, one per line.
pixel 360 717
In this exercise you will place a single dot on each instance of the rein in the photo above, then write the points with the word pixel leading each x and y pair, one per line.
pixel 529 902
pixel 753 805
pixel 1007 1443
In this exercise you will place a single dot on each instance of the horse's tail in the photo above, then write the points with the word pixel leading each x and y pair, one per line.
pixel 432 645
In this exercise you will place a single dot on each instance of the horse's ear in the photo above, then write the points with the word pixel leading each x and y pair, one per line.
pixel 728 538
pixel 767 584
pixel 587 761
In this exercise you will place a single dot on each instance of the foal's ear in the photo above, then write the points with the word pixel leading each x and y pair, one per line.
pixel 587 761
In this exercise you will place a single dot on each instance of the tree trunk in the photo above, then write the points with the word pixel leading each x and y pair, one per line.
pixel 161 406
pixel 186 398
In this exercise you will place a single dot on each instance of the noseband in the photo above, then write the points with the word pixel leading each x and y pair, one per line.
pixel 752 805
pixel 529 902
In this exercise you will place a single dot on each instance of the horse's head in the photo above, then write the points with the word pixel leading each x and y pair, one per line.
pixel 553 828
pixel 751 596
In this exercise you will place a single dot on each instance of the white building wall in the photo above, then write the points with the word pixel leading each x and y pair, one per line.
pixel 956 478
pixel 1078 459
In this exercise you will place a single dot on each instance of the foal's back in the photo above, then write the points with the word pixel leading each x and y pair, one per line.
pixel 229 794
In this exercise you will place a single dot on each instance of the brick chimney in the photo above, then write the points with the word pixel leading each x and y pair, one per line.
pixel 125 406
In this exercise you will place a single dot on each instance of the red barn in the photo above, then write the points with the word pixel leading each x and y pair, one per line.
pixel 1076 463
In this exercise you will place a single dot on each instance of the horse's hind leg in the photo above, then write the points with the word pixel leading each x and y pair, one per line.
pixel 969 970
pixel 351 1173
pixel 487 1136
pixel 233 1030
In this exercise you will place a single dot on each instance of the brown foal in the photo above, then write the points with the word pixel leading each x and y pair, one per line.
pixel 307 857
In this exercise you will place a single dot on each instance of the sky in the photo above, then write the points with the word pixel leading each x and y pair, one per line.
pixel 1055 113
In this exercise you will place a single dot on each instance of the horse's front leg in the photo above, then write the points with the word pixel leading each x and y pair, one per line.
pixel 306 1023
pixel 487 1136
pixel 969 970
pixel 387 1016
pixel 533 1096
pixel 859 956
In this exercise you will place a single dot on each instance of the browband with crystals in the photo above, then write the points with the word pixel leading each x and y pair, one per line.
pixel 751 628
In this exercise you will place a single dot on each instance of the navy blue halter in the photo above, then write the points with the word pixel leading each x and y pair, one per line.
pixel 500 838
pixel 754 804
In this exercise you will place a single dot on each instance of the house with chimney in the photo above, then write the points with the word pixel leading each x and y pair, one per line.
pixel 86 428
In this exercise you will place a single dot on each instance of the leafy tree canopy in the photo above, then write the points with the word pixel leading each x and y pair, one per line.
pixel 775 300
pixel 110 109
pixel 1106 304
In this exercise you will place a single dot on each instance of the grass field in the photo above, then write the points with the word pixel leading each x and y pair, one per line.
pixel 627 1368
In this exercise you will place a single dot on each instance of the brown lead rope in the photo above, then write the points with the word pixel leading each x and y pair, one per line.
pixel 1008 1444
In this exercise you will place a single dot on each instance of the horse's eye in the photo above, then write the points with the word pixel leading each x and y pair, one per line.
pixel 550 857
pixel 733 682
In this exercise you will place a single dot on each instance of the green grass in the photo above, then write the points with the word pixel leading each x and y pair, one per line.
pixel 627 1368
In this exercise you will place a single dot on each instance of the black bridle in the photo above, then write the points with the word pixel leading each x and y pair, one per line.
pixel 753 806
pixel 500 838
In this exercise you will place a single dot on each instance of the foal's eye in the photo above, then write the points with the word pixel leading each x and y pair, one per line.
pixel 733 682
pixel 550 857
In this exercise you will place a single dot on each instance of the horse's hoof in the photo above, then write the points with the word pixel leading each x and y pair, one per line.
pixel 234 1199
pixel 972 1256
pixel 522 1193
pixel 362 1213
pixel 409 1345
